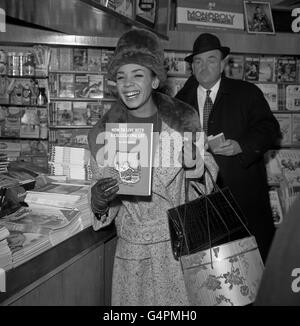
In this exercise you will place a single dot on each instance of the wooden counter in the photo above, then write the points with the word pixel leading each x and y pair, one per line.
pixel 76 272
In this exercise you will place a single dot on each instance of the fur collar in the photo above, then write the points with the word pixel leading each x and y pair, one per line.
pixel 175 113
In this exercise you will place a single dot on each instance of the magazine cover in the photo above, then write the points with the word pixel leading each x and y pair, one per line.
pixel 125 8
pixel 66 85
pixel 65 59
pixel 293 97
pixel 267 69
pixel 96 86
pixel 235 66
pixel 131 162
pixel 81 85
pixel 146 11
pixel 64 113
pixel 285 122
pixel 271 94
pixel 276 207
pixel 94 60
pixel 286 69
pixel 12 122
pixel 296 129
pixel 30 123
pixel 80 59
pixel 251 68
pixel 79 113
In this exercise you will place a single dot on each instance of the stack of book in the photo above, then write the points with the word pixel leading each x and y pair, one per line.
pixel 72 162
pixel 5 252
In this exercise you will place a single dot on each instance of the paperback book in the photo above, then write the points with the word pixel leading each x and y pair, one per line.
pixel 286 69
pixel 131 161
pixel 251 68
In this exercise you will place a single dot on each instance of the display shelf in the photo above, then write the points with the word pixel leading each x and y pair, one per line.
pixel 71 127
pixel 27 76
pixel 84 99
pixel 25 105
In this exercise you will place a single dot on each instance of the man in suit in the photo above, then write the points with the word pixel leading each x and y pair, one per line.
pixel 239 110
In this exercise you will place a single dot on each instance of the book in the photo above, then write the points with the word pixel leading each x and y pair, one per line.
pixel 285 122
pixel 131 161
pixel 30 123
pixel 94 113
pixel 64 113
pixel 286 69
pixel 293 97
pixel 105 58
pixel 65 59
pixel 296 129
pixel 267 69
pixel 277 212
pixel 251 68
pixel 96 86
pixel 270 92
pixel 234 67
pixel 79 113
pixel 176 63
pixel 81 86
pixel 80 59
pixel 215 141
pixel 66 85
pixel 94 60
pixel 12 123
pixel 289 162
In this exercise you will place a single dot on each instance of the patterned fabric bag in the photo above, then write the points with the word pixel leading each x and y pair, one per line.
pixel 219 257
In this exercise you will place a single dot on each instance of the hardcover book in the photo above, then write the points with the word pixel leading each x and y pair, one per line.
pixel 131 161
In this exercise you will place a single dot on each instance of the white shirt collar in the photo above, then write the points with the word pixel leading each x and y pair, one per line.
pixel 214 90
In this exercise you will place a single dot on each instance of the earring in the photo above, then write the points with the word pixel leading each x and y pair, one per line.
pixel 155 84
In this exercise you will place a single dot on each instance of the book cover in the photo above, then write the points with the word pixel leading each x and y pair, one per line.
pixel 293 97
pixel 286 69
pixel 96 86
pixel 285 122
pixel 110 88
pixel 235 66
pixel 80 59
pixel 176 63
pixel 94 60
pixel 270 92
pixel 131 161
pixel 105 57
pixel 64 113
pixel 251 68
pixel 289 162
pixel 12 122
pixel 65 59
pixel 277 212
pixel 79 113
pixel 216 141
pixel 296 129
pixel 94 113
pixel 66 85
pixel 30 123
pixel 81 86
pixel 267 69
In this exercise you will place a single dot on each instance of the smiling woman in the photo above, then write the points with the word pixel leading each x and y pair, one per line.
pixel 145 271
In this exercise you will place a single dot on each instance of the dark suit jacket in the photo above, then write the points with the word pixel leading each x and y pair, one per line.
pixel 241 112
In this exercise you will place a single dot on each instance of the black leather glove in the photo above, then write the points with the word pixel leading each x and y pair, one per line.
pixel 102 193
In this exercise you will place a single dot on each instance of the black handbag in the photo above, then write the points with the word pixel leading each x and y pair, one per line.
pixel 210 220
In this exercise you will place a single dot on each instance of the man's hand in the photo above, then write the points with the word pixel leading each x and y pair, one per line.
pixel 229 148
pixel 103 192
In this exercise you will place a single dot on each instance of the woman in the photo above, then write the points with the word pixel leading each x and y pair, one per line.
pixel 145 272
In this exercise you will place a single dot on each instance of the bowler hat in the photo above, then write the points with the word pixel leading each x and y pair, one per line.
pixel 207 42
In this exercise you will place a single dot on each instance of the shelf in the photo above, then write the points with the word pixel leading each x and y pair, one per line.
pixel 84 99
pixel 71 127
pixel 26 77
pixel 24 105
pixel 286 111
pixel 22 138
pixel 76 72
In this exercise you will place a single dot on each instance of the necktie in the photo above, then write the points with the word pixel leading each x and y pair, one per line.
pixel 208 104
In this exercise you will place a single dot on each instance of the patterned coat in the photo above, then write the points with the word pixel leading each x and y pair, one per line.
pixel 145 272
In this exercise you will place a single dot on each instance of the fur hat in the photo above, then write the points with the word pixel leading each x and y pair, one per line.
pixel 141 47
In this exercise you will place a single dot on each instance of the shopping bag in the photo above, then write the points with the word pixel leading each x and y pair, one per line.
pixel 225 275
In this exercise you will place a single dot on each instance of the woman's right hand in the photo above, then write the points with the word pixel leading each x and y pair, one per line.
pixel 102 193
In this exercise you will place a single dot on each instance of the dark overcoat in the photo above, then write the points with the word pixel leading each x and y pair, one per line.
pixel 241 112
